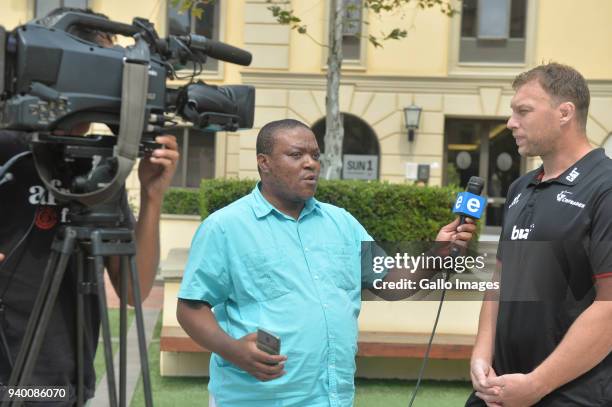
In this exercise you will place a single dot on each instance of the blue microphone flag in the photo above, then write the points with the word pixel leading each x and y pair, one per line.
pixel 469 204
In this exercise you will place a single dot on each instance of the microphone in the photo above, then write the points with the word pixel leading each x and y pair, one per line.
pixel 469 204
pixel 218 49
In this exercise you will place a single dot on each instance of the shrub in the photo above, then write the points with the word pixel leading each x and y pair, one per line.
pixel 181 202
pixel 389 212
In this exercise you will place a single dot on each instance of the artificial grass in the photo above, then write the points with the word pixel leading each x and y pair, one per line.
pixel 170 391
pixel 397 393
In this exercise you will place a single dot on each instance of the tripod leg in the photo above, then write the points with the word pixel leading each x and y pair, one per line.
pixel 123 330
pixel 80 260
pixel 24 350
pixel 108 350
pixel 142 346
pixel 37 325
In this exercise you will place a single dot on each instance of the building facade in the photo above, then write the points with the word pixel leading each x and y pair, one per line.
pixel 457 70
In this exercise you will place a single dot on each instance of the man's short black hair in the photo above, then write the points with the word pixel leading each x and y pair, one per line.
pixel 87 34
pixel 266 136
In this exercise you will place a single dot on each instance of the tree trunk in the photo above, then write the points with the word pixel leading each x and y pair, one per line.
pixel 334 127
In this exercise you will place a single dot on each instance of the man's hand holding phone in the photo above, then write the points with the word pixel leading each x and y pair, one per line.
pixel 259 364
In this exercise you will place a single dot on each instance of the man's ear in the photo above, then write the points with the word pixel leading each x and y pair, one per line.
pixel 263 163
pixel 568 112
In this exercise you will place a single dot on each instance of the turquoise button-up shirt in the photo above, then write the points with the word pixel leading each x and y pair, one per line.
pixel 300 279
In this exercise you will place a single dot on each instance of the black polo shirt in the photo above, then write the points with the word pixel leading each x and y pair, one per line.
pixel 556 240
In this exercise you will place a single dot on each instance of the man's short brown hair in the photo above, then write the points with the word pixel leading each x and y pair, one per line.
pixel 563 84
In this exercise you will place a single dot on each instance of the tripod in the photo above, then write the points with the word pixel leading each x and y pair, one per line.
pixel 85 238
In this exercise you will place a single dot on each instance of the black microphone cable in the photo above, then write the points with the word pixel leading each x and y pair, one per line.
pixel 6 176
pixel 475 186
pixel 433 333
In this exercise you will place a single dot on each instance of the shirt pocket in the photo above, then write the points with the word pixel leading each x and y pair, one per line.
pixel 343 266
pixel 266 275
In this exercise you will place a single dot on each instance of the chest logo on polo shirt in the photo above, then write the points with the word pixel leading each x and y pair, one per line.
pixel 562 197
pixel 521 234
pixel 573 175
pixel 515 201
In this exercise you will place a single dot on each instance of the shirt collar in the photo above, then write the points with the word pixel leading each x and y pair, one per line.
pixel 262 207
pixel 576 172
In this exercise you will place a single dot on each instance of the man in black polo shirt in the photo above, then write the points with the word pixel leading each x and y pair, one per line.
pixel 547 339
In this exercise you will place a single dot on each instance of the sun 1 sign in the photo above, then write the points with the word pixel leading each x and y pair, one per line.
pixel 469 204
pixel 360 166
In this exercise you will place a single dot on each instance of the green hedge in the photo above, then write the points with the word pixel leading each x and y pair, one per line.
pixel 181 202
pixel 389 212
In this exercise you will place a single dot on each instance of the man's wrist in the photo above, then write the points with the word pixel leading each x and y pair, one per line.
pixel 487 360
pixel 540 382
pixel 151 199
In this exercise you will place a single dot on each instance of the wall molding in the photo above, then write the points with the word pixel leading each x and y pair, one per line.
pixel 397 84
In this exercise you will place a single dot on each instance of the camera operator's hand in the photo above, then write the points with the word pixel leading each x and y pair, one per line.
pixel 156 171
pixel 1 257
pixel 256 362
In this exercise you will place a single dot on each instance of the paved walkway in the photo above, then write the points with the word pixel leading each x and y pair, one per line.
pixel 151 310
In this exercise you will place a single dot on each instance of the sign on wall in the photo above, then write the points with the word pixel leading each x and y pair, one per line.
pixel 359 166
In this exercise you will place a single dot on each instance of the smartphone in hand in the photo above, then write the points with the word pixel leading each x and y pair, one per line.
pixel 268 342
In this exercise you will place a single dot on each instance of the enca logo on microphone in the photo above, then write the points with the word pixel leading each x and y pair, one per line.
pixel 469 204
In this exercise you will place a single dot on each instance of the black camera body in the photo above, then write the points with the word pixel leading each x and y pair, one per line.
pixel 52 79
pixel 57 73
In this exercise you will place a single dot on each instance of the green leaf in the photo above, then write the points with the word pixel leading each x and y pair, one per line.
pixel 197 12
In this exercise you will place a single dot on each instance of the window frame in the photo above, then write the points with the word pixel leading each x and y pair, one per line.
pixel 219 73
pixel 506 69
pixel 183 163
pixel 348 64
pixel 61 4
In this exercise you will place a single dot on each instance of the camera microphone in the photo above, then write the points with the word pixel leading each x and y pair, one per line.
pixel 218 49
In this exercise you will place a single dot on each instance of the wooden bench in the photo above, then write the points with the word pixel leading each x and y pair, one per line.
pixel 370 344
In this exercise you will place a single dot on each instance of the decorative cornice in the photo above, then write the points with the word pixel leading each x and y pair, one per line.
pixel 398 84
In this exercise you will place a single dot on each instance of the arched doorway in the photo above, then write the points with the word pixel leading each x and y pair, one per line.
pixel 360 148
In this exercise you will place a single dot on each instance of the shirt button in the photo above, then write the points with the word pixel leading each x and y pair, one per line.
pixel 316 277
pixel 332 366
pixel 306 249
pixel 325 305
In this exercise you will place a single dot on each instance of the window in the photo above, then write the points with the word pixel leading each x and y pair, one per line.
pixel 493 31
pixel 207 25
pixel 43 7
pixel 352 30
pixel 354 27
pixel 197 157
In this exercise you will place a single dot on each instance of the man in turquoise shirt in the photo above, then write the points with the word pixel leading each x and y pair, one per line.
pixel 279 259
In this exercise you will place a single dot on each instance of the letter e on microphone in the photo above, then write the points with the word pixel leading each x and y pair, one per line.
pixel 469 204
